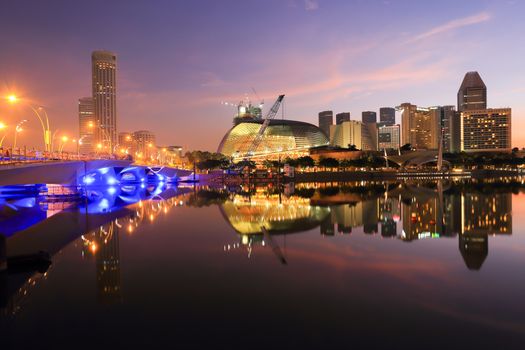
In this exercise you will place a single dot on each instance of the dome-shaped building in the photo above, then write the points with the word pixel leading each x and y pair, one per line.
pixel 287 136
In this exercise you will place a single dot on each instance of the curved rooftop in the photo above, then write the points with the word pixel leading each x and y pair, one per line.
pixel 280 135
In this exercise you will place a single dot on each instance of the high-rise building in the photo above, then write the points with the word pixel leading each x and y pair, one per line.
pixel 354 133
pixel 104 85
pixel 420 128
pixel 485 130
pixel 388 137
pixel 472 94
pixel 369 117
pixel 387 115
pixel 326 118
pixel 347 134
pixel 145 143
pixel 448 122
pixel 86 125
pixel 369 137
pixel 342 117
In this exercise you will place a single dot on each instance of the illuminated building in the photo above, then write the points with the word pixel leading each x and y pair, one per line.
pixel 145 143
pixel 387 115
pixel 448 120
pixel 326 119
pixel 342 117
pixel 388 137
pixel 472 94
pixel 104 86
pixel 369 117
pixel 351 133
pixel 420 128
pixel 485 130
pixel 281 137
pixel 86 125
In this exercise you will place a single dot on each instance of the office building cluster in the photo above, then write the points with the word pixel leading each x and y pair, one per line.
pixel 97 116
pixel 472 127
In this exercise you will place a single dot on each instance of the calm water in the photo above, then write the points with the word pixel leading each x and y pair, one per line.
pixel 361 265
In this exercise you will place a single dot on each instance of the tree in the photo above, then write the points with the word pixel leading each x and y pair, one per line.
pixel 306 162
pixel 352 148
pixel 328 163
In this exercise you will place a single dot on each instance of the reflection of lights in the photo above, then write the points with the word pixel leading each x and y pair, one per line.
pixel 93 247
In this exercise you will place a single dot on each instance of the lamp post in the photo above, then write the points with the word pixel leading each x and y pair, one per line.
pixel 41 113
pixel 2 127
pixel 18 129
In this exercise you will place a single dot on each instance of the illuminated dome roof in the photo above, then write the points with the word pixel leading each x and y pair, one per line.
pixel 248 216
pixel 280 135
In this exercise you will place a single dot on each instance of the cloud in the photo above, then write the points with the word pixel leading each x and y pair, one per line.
pixel 454 24
pixel 311 5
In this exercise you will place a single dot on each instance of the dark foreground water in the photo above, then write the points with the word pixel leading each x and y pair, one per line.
pixel 361 265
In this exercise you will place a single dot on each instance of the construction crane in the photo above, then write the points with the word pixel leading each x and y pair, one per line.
pixel 258 138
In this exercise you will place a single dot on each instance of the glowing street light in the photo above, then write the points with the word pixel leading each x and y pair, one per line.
pixel 40 113
pixel 2 127
pixel 18 128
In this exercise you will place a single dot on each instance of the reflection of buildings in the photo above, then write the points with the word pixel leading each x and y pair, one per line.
pixel 486 214
pixel 348 216
pixel 108 264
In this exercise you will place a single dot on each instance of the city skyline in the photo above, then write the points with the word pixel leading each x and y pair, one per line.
pixel 181 81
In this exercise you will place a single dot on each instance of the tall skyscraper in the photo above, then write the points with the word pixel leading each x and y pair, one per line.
pixel 420 128
pixel 145 143
pixel 369 117
pixel 387 115
pixel 86 125
pixel 448 121
pixel 342 117
pixel 347 134
pixel 326 118
pixel 104 85
pixel 472 93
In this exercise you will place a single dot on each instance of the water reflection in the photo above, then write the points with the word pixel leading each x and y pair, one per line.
pixel 33 234
pixel 406 211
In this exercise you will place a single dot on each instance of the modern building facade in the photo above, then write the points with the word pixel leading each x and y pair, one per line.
pixel 472 94
pixel 342 117
pixel 326 119
pixel 104 87
pixel 448 122
pixel 388 137
pixel 485 130
pixel 282 137
pixel 145 143
pixel 351 133
pixel 369 117
pixel 387 115
pixel 86 125
pixel 420 128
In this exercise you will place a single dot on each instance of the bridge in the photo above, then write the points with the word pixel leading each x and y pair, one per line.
pixel 84 172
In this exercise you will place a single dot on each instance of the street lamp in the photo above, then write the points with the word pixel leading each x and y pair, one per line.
pixel 62 144
pixel 18 129
pixel 2 127
pixel 40 113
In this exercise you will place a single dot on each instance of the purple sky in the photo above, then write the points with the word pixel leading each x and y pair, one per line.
pixel 177 60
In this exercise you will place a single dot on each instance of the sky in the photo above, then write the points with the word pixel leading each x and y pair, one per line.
pixel 178 60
